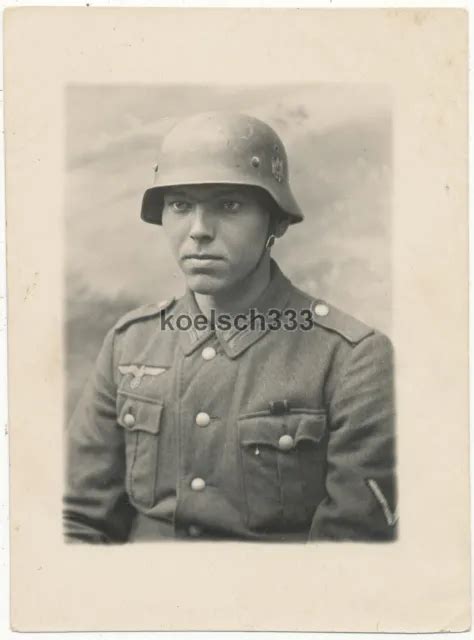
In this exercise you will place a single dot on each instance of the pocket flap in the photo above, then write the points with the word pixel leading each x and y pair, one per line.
pixel 268 429
pixel 311 427
pixel 139 414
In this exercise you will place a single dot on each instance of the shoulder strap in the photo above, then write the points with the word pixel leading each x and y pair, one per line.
pixel 144 312
pixel 334 319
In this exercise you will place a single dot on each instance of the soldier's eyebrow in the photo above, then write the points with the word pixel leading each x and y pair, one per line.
pixel 218 193
pixel 230 192
pixel 173 194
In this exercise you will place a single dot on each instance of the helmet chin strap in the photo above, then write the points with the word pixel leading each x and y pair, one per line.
pixel 269 242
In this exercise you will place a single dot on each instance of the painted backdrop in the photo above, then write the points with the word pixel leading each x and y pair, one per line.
pixel 338 140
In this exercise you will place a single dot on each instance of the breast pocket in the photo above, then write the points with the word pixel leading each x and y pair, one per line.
pixel 140 418
pixel 284 466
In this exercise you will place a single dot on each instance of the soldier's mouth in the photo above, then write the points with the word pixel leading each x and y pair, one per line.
pixel 202 256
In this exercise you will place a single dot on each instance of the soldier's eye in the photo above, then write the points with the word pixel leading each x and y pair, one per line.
pixel 231 205
pixel 180 206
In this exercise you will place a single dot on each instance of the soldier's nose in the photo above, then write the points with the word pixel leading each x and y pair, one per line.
pixel 201 226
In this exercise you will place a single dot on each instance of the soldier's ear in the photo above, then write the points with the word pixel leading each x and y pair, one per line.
pixel 281 227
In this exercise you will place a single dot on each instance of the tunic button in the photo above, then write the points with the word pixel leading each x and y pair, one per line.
pixel 198 484
pixel 208 353
pixel 129 420
pixel 321 309
pixel 203 419
pixel 286 443
pixel 194 531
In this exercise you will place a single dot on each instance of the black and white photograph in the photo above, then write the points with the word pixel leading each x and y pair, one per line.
pixel 237 251
pixel 231 248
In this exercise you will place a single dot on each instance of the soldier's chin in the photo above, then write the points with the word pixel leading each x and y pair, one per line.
pixel 206 284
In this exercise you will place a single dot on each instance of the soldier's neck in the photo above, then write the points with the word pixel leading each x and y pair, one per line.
pixel 239 298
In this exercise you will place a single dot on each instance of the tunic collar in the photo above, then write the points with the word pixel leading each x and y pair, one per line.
pixel 235 341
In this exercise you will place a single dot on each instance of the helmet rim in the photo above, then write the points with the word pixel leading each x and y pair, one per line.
pixel 152 204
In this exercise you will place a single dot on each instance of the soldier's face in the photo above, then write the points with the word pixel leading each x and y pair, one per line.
pixel 217 233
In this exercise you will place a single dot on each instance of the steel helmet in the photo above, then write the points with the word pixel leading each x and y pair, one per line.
pixel 222 148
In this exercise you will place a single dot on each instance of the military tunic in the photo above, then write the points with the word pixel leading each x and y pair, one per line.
pixel 253 434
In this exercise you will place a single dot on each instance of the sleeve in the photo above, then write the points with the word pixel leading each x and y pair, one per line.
pixel 360 484
pixel 96 508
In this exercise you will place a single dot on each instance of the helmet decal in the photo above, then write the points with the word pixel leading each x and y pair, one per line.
pixel 278 168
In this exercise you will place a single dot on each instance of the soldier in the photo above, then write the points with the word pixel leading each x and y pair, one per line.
pixel 198 423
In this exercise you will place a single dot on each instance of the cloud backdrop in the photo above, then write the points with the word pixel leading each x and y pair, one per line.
pixel 338 139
